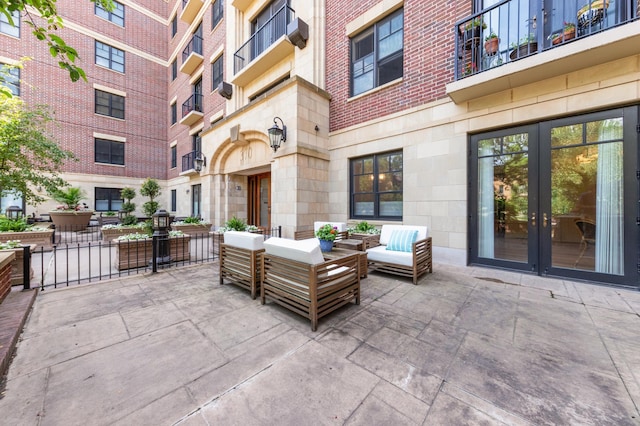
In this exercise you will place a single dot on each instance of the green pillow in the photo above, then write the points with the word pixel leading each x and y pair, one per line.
pixel 402 239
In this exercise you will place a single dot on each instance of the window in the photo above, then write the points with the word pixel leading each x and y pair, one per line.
pixel 109 104
pixel 108 199
pixel 174 26
pixel 174 113
pixel 10 28
pixel 116 15
pixel 216 73
pixel 109 57
pixel 376 186
pixel 174 156
pixel 217 12
pixel 174 69
pixel 11 76
pixel 377 53
pixel 109 152
pixel 174 200
pixel 269 25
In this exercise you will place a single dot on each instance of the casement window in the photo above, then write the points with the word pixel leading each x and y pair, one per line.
pixel 116 15
pixel 109 57
pixel 216 73
pixel 376 186
pixel 9 28
pixel 109 104
pixel 108 199
pixel 109 152
pixel 377 54
pixel 217 12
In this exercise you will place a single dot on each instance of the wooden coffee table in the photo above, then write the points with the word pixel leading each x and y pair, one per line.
pixel 341 251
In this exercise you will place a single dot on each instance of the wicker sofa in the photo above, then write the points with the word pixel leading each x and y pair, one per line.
pixel 240 260
pixel 402 250
pixel 295 275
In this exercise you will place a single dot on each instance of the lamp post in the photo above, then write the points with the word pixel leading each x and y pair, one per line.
pixel 14 212
pixel 160 251
pixel 277 135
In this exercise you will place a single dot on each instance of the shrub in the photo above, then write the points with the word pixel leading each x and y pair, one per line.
pixel 13 225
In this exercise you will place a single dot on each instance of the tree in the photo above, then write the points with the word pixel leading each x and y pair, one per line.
pixel 150 188
pixel 128 207
pixel 46 32
pixel 28 157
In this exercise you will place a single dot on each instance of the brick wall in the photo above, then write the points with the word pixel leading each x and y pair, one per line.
pixel 5 274
pixel 428 59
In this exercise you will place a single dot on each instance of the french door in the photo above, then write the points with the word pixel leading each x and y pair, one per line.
pixel 259 201
pixel 558 198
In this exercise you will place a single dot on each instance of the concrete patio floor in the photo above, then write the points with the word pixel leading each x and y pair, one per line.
pixel 464 346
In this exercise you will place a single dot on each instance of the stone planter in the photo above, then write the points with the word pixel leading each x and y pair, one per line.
pixel 138 253
pixel 193 228
pixel 17 264
pixel 40 238
pixel 70 220
pixel 113 233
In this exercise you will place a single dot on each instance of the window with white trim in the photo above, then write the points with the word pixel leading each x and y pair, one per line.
pixel 109 57
pixel 116 15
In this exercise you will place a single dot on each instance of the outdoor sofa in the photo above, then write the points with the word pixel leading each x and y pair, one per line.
pixel 240 260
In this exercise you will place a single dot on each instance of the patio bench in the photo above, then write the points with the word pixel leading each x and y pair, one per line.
pixel 295 275
pixel 240 260
pixel 403 250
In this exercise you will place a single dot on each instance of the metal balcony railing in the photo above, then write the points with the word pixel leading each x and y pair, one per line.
pixel 264 37
pixel 194 103
pixel 188 161
pixel 194 46
pixel 513 29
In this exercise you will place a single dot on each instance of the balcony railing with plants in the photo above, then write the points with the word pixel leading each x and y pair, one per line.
pixel 264 37
pixel 188 161
pixel 194 46
pixel 194 103
pixel 513 29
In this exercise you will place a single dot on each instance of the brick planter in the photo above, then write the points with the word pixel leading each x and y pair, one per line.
pixel 17 264
pixel 6 257
pixel 192 228
pixel 41 238
pixel 138 253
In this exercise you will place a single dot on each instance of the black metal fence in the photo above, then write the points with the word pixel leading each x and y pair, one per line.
pixel 84 258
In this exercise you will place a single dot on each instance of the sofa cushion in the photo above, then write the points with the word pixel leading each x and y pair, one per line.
pixel 387 230
pixel 306 251
pixel 244 240
pixel 381 254
pixel 402 240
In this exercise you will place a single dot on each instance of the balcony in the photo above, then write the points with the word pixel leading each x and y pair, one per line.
pixel 265 48
pixel 507 45
pixel 192 110
pixel 192 55
pixel 188 163
pixel 190 9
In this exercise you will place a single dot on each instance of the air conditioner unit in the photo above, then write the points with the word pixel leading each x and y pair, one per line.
pixel 298 32
pixel 225 90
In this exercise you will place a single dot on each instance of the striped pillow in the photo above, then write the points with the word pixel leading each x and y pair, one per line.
pixel 402 239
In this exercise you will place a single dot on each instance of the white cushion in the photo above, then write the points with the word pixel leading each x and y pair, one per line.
pixel 244 240
pixel 306 251
pixel 387 230
pixel 340 226
pixel 381 254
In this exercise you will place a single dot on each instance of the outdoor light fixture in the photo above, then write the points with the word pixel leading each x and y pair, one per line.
pixel 160 249
pixel 276 134
pixel 14 212
pixel 199 161
pixel 160 220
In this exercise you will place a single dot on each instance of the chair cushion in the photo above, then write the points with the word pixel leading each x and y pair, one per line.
pixel 381 254
pixel 387 230
pixel 305 251
pixel 402 240
pixel 245 240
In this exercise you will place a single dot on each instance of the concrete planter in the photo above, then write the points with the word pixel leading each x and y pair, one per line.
pixel 40 238
pixel 71 220
pixel 17 264
pixel 138 253
pixel 192 228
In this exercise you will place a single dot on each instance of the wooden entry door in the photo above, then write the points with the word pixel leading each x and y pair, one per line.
pixel 260 200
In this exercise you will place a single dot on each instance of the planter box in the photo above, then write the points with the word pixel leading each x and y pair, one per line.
pixel 138 253
pixel 112 234
pixel 70 220
pixel 17 264
pixel 40 238
pixel 193 228
pixel 6 257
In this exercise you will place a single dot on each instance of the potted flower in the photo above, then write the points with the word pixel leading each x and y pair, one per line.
pixel 192 225
pixel 472 30
pixel 525 47
pixel 112 231
pixel 491 43
pixel 366 232
pixel 70 215
pixel 470 68
pixel 556 38
pixel 327 235
pixel 569 31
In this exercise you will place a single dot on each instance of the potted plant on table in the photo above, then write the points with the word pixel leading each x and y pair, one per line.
pixel 491 44
pixel 71 214
pixel 327 235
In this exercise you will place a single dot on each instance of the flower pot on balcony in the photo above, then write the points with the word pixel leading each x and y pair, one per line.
pixel 524 50
pixel 69 220
pixel 569 34
pixel 491 46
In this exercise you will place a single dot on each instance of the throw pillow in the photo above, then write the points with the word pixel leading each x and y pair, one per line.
pixel 402 239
